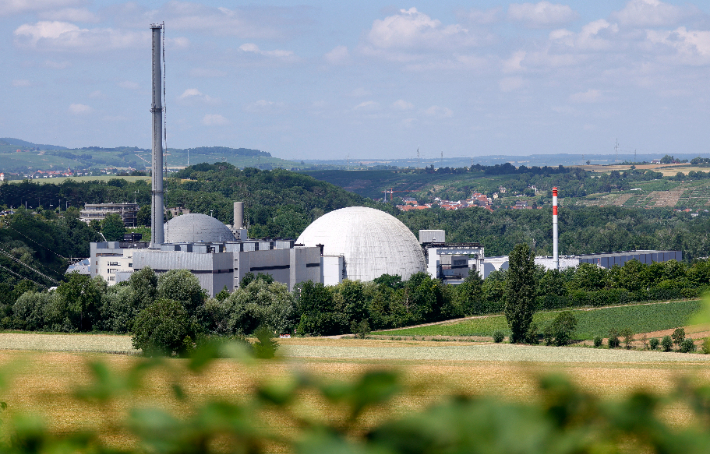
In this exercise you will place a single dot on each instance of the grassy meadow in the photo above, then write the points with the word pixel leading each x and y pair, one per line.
pixel 640 318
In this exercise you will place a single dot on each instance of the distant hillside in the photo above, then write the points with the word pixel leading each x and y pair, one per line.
pixel 21 156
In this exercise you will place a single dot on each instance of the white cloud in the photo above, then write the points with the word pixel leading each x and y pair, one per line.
pixel 541 15
pixel 480 17
pixel 214 120
pixel 437 111
pixel 690 46
pixel 64 36
pixel 96 94
pixel 401 104
pixel 80 109
pixel 129 85
pixel 514 63
pixel 650 13
pixel 253 48
pixel 367 105
pixel 338 56
pixel 412 29
pixel 193 94
pixel 589 96
pixel 593 36
pixel 205 73
pixel 21 83
pixel 69 15
pixel 8 7
pixel 264 106
pixel 508 84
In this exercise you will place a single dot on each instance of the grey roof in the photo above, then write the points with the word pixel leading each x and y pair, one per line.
pixel 196 228
pixel 371 241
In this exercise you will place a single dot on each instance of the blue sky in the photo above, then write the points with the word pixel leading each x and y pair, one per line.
pixel 328 80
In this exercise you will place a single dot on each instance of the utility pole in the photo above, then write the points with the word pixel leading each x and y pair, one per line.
pixel 616 152
pixel 419 160
pixel 442 159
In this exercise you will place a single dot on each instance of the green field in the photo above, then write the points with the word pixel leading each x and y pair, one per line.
pixel 596 322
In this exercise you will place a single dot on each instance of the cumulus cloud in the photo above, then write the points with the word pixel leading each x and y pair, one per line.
pixel 193 94
pixel 367 105
pixel 401 104
pixel 650 13
pixel 413 29
pixel 589 96
pixel 8 7
pixel 80 109
pixel 514 63
pixel 593 36
pixel 541 15
pixel 689 46
pixel 214 120
pixel 437 111
pixel 129 85
pixel 338 56
pixel 21 83
pixel 65 36
pixel 253 48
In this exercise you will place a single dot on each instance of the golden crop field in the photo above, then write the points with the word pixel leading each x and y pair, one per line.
pixel 43 382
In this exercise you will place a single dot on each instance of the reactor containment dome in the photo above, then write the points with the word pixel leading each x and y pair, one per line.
pixel 371 242
pixel 196 228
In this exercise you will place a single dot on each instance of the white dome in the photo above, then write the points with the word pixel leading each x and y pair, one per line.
pixel 196 228
pixel 371 241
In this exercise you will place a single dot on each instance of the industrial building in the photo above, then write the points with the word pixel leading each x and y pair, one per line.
pixel 606 260
pixel 99 211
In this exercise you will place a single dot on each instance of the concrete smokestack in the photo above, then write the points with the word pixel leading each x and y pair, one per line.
pixel 238 215
pixel 157 235
pixel 555 252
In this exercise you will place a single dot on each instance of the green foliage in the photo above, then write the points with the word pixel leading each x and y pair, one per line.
pixel 628 335
pixel 498 336
pixel 112 227
pixel 182 286
pixel 520 292
pixel 667 343
pixel 653 343
pixel 613 340
pixel 250 277
pixel 163 329
pixel 259 304
pixel 143 216
pixel 361 330
pixel 469 295
pixel 81 300
pixel 598 341
pixel 678 336
pixel 222 295
pixel 687 346
pixel 706 346
pixel 560 332
pixel 265 346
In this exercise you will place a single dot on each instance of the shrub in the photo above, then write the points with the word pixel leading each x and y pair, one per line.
pixel 563 327
pixel 598 341
pixel 653 343
pixel 667 343
pixel 706 346
pixel 163 329
pixel 687 345
pixel 361 329
pixel 265 345
pixel 532 336
pixel 498 336
pixel 628 336
pixel 678 336
pixel 613 339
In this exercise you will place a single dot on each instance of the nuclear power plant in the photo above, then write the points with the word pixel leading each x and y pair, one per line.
pixel 356 243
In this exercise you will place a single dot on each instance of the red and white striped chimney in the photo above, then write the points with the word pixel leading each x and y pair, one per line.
pixel 555 253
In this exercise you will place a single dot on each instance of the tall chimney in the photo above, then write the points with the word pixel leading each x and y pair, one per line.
pixel 238 215
pixel 555 253
pixel 157 236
